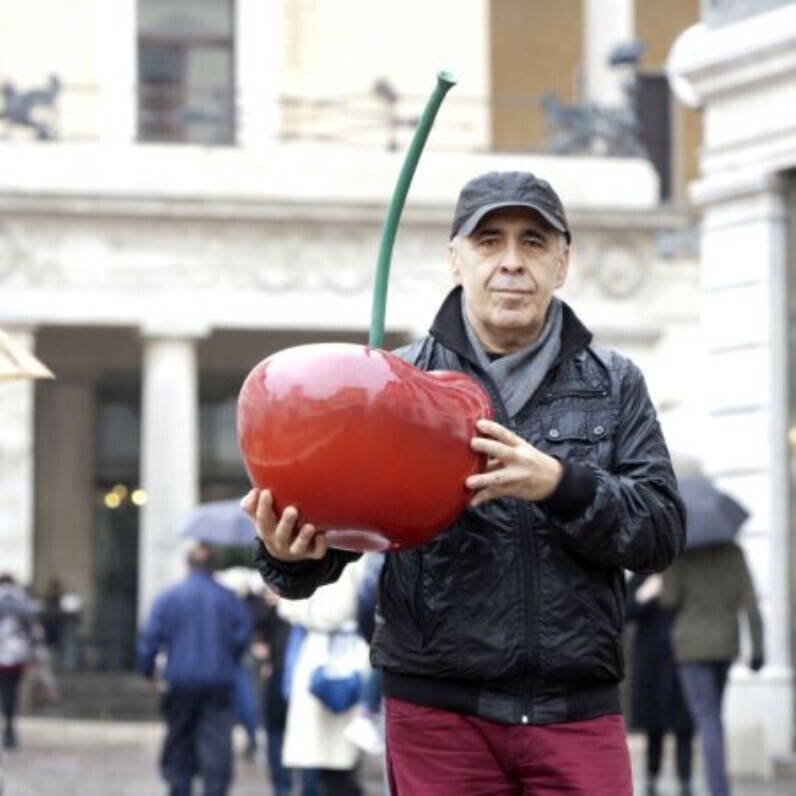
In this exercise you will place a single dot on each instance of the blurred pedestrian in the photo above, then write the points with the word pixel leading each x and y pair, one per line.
pixel 203 628
pixel 22 644
pixel 657 706
pixel 706 588
pixel 239 579
pixel 246 708
pixel 52 614
pixel 314 735
pixel 270 648
pixel 366 727
pixel 60 616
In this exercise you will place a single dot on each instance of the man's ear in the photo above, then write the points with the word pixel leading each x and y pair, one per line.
pixel 453 261
pixel 563 268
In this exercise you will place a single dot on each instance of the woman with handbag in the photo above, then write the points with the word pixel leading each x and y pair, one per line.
pixel 326 674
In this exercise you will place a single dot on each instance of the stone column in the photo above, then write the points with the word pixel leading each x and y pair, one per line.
pixel 741 72
pixel 169 455
pixel 258 70
pixel 606 24
pixel 116 56
pixel 16 470
pixel 66 446
pixel 745 306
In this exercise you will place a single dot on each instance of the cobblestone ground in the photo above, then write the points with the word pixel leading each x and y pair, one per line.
pixel 59 757
pixel 82 758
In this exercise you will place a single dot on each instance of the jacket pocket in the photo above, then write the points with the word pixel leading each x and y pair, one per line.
pixel 582 436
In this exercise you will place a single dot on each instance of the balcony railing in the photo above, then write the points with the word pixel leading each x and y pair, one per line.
pixel 376 120
pixel 379 119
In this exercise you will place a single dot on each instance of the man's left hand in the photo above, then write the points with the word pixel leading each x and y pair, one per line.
pixel 515 468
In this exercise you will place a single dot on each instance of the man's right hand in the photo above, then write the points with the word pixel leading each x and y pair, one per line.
pixel 279 535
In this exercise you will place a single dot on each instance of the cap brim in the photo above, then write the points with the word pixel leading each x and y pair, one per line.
pixel 468 227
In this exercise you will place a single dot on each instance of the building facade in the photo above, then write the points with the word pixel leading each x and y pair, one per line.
pixel 204 183
pixel 739 65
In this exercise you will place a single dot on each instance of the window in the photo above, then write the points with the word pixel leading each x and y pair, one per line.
pixel 185 71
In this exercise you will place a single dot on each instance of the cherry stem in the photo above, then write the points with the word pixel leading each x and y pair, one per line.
pixel 445 81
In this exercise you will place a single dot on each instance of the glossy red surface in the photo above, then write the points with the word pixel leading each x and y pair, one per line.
pixel 357 439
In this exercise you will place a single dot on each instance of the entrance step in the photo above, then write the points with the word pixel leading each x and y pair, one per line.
pixel 100 695
pixel 785 767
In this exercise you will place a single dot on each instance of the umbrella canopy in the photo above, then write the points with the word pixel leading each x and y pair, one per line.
pixel 17 363
pixel 712 516
pixel 222 522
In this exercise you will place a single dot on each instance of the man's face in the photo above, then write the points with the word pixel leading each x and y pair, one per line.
pixel 509 268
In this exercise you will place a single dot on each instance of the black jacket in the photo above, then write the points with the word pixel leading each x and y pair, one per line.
pixel 515 613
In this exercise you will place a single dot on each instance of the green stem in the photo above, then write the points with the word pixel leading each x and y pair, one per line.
pixel 445 81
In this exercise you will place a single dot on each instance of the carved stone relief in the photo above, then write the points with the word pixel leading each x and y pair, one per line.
pixel 617 266
pixel 138 258
pixel 24 253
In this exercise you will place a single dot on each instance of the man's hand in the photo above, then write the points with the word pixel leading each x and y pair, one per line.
pixel 280 536
pixel 514 467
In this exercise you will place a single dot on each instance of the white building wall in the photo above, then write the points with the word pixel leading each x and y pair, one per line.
pixel 744 73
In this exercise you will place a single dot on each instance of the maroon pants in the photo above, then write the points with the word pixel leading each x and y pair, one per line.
pixel 434 752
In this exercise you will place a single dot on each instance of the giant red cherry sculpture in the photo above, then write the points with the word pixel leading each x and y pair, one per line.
pixel 368 448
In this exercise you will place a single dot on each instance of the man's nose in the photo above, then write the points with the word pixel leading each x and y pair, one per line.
pixel 510 259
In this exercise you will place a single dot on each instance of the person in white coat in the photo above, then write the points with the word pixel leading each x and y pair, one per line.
pixel 314 736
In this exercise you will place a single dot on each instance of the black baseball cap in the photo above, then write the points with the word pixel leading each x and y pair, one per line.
pixel 497 189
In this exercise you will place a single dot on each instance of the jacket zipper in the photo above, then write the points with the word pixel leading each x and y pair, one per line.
pixel 531 589
pixel 527 555
pixel 527 542
pixel 531 581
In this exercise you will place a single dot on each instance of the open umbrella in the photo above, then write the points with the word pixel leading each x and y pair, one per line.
pixel 222 522
pixel 17 363
pixel 712 516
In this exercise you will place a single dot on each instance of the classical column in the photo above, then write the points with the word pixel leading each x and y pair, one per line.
pixel 606 24
pixel 66 445
pixel 169 455
pixel 745 311
pixel 258 70
pixel 116 56
pixel 745 192
pixel 16 470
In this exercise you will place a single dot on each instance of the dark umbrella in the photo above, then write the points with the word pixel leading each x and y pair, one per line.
pixel 712 516
pixel 222 522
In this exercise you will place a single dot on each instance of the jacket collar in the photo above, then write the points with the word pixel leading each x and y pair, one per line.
pixel 448 329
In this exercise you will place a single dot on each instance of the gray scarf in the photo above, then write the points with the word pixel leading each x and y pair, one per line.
pixel 519 375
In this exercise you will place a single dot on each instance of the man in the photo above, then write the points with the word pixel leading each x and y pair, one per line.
pixel 500 640
pixel 203 628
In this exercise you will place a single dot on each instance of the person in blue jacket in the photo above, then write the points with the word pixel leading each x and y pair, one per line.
pixel 203 628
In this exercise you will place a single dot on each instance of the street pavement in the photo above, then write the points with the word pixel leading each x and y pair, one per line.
pixel 63 757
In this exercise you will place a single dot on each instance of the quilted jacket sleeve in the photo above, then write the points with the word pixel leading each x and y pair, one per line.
pixel 635 518
pixel 297 580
